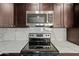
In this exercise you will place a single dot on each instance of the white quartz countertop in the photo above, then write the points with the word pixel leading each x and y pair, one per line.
pixel 11 46
pixel 15 46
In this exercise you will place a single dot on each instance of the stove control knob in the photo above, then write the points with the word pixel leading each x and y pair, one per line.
pixel 47 35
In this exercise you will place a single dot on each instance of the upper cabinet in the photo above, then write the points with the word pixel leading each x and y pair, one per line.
pixel 76 15
pixel 39 7
pixel 63 13
pixel 47 6
pixel 14 15
pixel 28 7
pixel 6 15
pixel 21 8
pixel 19 15
pixel 68 15
pixel 58 15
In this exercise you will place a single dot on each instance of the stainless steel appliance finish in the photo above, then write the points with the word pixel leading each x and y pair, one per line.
pixel 39 40
pixel 39 18
pixel 39 45
pixel 26 51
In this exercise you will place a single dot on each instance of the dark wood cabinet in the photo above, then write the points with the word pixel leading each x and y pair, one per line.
pixel 39 6
pixel 47 6
pixel 71 15
pixel 68 15
pixel 63 13
pixel 28 6
pixel 73 35
pixel 19 15
pixel 21 8
pixel 6 15
pixel 76 15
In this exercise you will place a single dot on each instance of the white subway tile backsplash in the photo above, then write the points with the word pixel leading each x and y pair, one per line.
pixel 2 31
pixel 22 33
pixel 20 29
pixel 59 34
pixel 9 34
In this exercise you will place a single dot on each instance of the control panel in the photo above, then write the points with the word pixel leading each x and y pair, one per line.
pixel 39 35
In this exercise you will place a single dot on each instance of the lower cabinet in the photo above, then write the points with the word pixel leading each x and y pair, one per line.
pixel 73 35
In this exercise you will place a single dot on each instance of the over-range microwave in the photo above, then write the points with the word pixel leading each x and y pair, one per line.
pixel 39 18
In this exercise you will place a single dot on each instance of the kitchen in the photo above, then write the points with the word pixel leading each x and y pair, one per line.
pixel 20 21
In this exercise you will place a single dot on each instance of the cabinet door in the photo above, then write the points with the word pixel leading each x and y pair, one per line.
pixel 21 8
pixel 28 6
pixel 68 15
pixel 73 35
pixel 58 15
pixel 46 6
pixel 6 15
pixel 39 7
pixel 32 6
pixel 76 15
pixel 20 15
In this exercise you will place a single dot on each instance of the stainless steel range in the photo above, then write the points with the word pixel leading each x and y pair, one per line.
pixel 39 44
pixel 39 40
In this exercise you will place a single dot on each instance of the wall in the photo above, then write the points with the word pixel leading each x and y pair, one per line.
pixel 22 33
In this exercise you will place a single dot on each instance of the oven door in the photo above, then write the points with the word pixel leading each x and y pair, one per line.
pixel 39 42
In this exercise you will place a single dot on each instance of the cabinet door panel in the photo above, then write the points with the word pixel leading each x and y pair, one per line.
pixel 47 6
pixel 39 6
pixel 73 35
pixel 6 15
pixel 58 15
pixel 28 7
pixel 68 15
pixel 19 15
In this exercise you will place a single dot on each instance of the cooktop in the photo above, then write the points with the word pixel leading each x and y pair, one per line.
pixel 52 51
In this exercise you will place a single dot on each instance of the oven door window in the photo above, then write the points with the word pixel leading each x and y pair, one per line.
pixel 39 41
